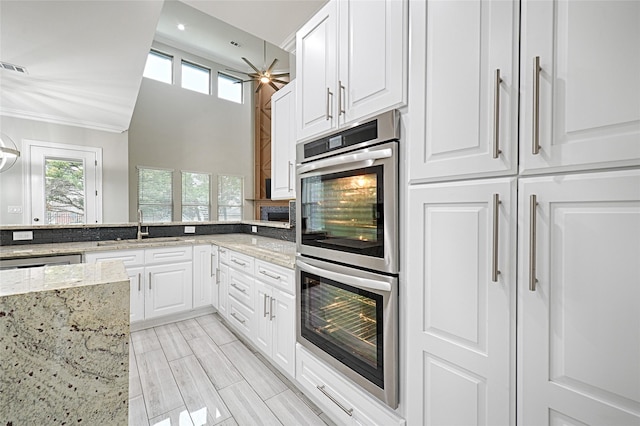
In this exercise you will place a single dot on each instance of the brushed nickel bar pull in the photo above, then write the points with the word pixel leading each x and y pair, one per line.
pixel 271 315
pixel 139 281
pixel 218 276
pixel 536 106
pixel 243 290
pixel 289 175
pixel 264 305
pixel 237 262
pixel 494 258
pixel 341 98
pixel 275 277
pixel 241 321
pixel 328 116
pixel 212 269
pixel 496 118
pixel 349 411
pixel 532 242
pixel 149 280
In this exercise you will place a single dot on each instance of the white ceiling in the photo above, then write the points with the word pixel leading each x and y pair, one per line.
pixel 85 58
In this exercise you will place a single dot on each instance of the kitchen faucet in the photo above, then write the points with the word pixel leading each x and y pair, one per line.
pixel 140 233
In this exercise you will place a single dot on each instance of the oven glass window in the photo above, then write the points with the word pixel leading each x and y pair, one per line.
pixel 344 321
pixel 344 211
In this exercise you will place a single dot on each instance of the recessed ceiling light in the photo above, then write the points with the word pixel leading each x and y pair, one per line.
pixel 181 27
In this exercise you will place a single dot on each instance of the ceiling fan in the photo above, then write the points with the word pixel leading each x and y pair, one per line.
pixel 265 75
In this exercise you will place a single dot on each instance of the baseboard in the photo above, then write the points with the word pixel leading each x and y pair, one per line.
pixel 155 322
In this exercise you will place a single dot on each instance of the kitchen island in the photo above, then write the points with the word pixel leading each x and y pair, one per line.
pixel 64 344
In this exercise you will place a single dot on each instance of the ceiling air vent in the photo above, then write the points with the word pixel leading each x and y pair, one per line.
pixel 11 67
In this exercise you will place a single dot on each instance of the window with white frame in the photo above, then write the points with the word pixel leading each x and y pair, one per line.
pixel 196 78
pixel 155 194
pixel 196 190
pixel 229 88
pixel 159 67
pixel 230 197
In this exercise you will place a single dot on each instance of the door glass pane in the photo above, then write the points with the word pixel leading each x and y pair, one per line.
pixel 64 191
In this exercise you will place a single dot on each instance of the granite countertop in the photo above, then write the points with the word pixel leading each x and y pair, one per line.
pixel 269 249
pixel 46 278
pixel 266 223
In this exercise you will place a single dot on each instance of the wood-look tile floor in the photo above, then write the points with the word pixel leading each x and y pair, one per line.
pixel 197 372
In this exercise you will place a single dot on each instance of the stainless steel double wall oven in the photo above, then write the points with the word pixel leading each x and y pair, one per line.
pixel 347 242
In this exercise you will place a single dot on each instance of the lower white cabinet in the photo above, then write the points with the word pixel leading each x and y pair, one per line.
pixel 223 289
pixel 205 279
pixel 136 293
pixel 169 289
pixel 340 399
pixel 275 332
pixel 578 298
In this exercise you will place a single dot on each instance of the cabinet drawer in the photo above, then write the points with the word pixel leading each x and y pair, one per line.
pixel 168 254
pixel 277 276
pixel 241 287
pixel 337 396
pixel 223 254
pixel 240 317
pixel 128 257
pixel 241 262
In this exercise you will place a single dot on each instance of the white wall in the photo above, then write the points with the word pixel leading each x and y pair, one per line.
pixel 114 167
pixel 179 129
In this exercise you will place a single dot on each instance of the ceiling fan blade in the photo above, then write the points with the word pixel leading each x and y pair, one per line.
pixel 279 81
pixel 284 74
pixel 251 65
pixel 272 65
pixel 236 71
pixel 276 88
pixel 259 87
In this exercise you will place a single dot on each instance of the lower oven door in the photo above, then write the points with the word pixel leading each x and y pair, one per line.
pixel 348 318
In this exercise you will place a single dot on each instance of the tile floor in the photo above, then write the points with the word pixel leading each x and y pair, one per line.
pixel 197 372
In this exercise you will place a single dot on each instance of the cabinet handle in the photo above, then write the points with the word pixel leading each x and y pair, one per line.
pixel 238 288
pixel 139 282
pixel 496 118
pixel 328 116
pixel 241 321
pixel 536 106
pixel 237 262
pixel 275 277
pixel 532 242
pixel 494 256
pixel 341 98
pixel 264 306
pixel 212 269
pixel 217 275
pixel 349 411
pixel 271 315
pixel 149 280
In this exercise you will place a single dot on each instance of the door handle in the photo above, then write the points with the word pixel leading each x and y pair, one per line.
pixel 237 262
pixel 264 306
pixel 289 175
pixel 532 242
pixel 149 280
pixel 271 315
pixel 139 282
pixel 496 118
pixel 341 98
pixel 328 114
pixel 349 411
pixel 243 290
pixel 494 251
pixel 217 275
pixel 212 269
pixel 535 149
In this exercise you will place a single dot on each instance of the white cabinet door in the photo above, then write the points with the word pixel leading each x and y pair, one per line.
pixel 463 119
pixel 215 271
pixel 283 143
pixel 136 293
pixel 461 332
pixel 317 68
pixel 169 289
pixel 203 276
pixel 282 311
pixel 372 43
pixel 263 322
pixel 588 114
pixel 223 290
pixel 579 330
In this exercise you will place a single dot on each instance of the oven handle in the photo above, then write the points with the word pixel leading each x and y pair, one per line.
pixel 365 283
pixel 345 159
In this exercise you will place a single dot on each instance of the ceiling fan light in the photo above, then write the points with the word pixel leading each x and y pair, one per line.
pixel 8 152
pixel 264 79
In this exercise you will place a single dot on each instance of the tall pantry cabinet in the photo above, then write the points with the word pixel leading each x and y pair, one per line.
pixel 576 213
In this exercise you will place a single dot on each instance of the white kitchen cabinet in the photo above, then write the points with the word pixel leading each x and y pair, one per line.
pixel 351 62
pixel 464 115
pixel 241 293
pixel 169 289
pixel 339 398
pixel 283 143
pixel 223 279
pixel 205 265
pixel 578 293
pixel 461 332
pixel 275 316
pixel 588 115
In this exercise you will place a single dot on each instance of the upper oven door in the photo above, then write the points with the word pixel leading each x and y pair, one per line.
pixel 347 208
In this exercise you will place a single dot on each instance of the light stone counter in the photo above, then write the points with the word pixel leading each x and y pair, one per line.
pixel 268 249
pixel 64 345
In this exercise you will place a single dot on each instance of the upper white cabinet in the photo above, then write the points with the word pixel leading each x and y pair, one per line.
pixel 352 62
pixel 464 88
pixel 283 143
pixel 580 104
pixel 462 306
pixel 578 292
